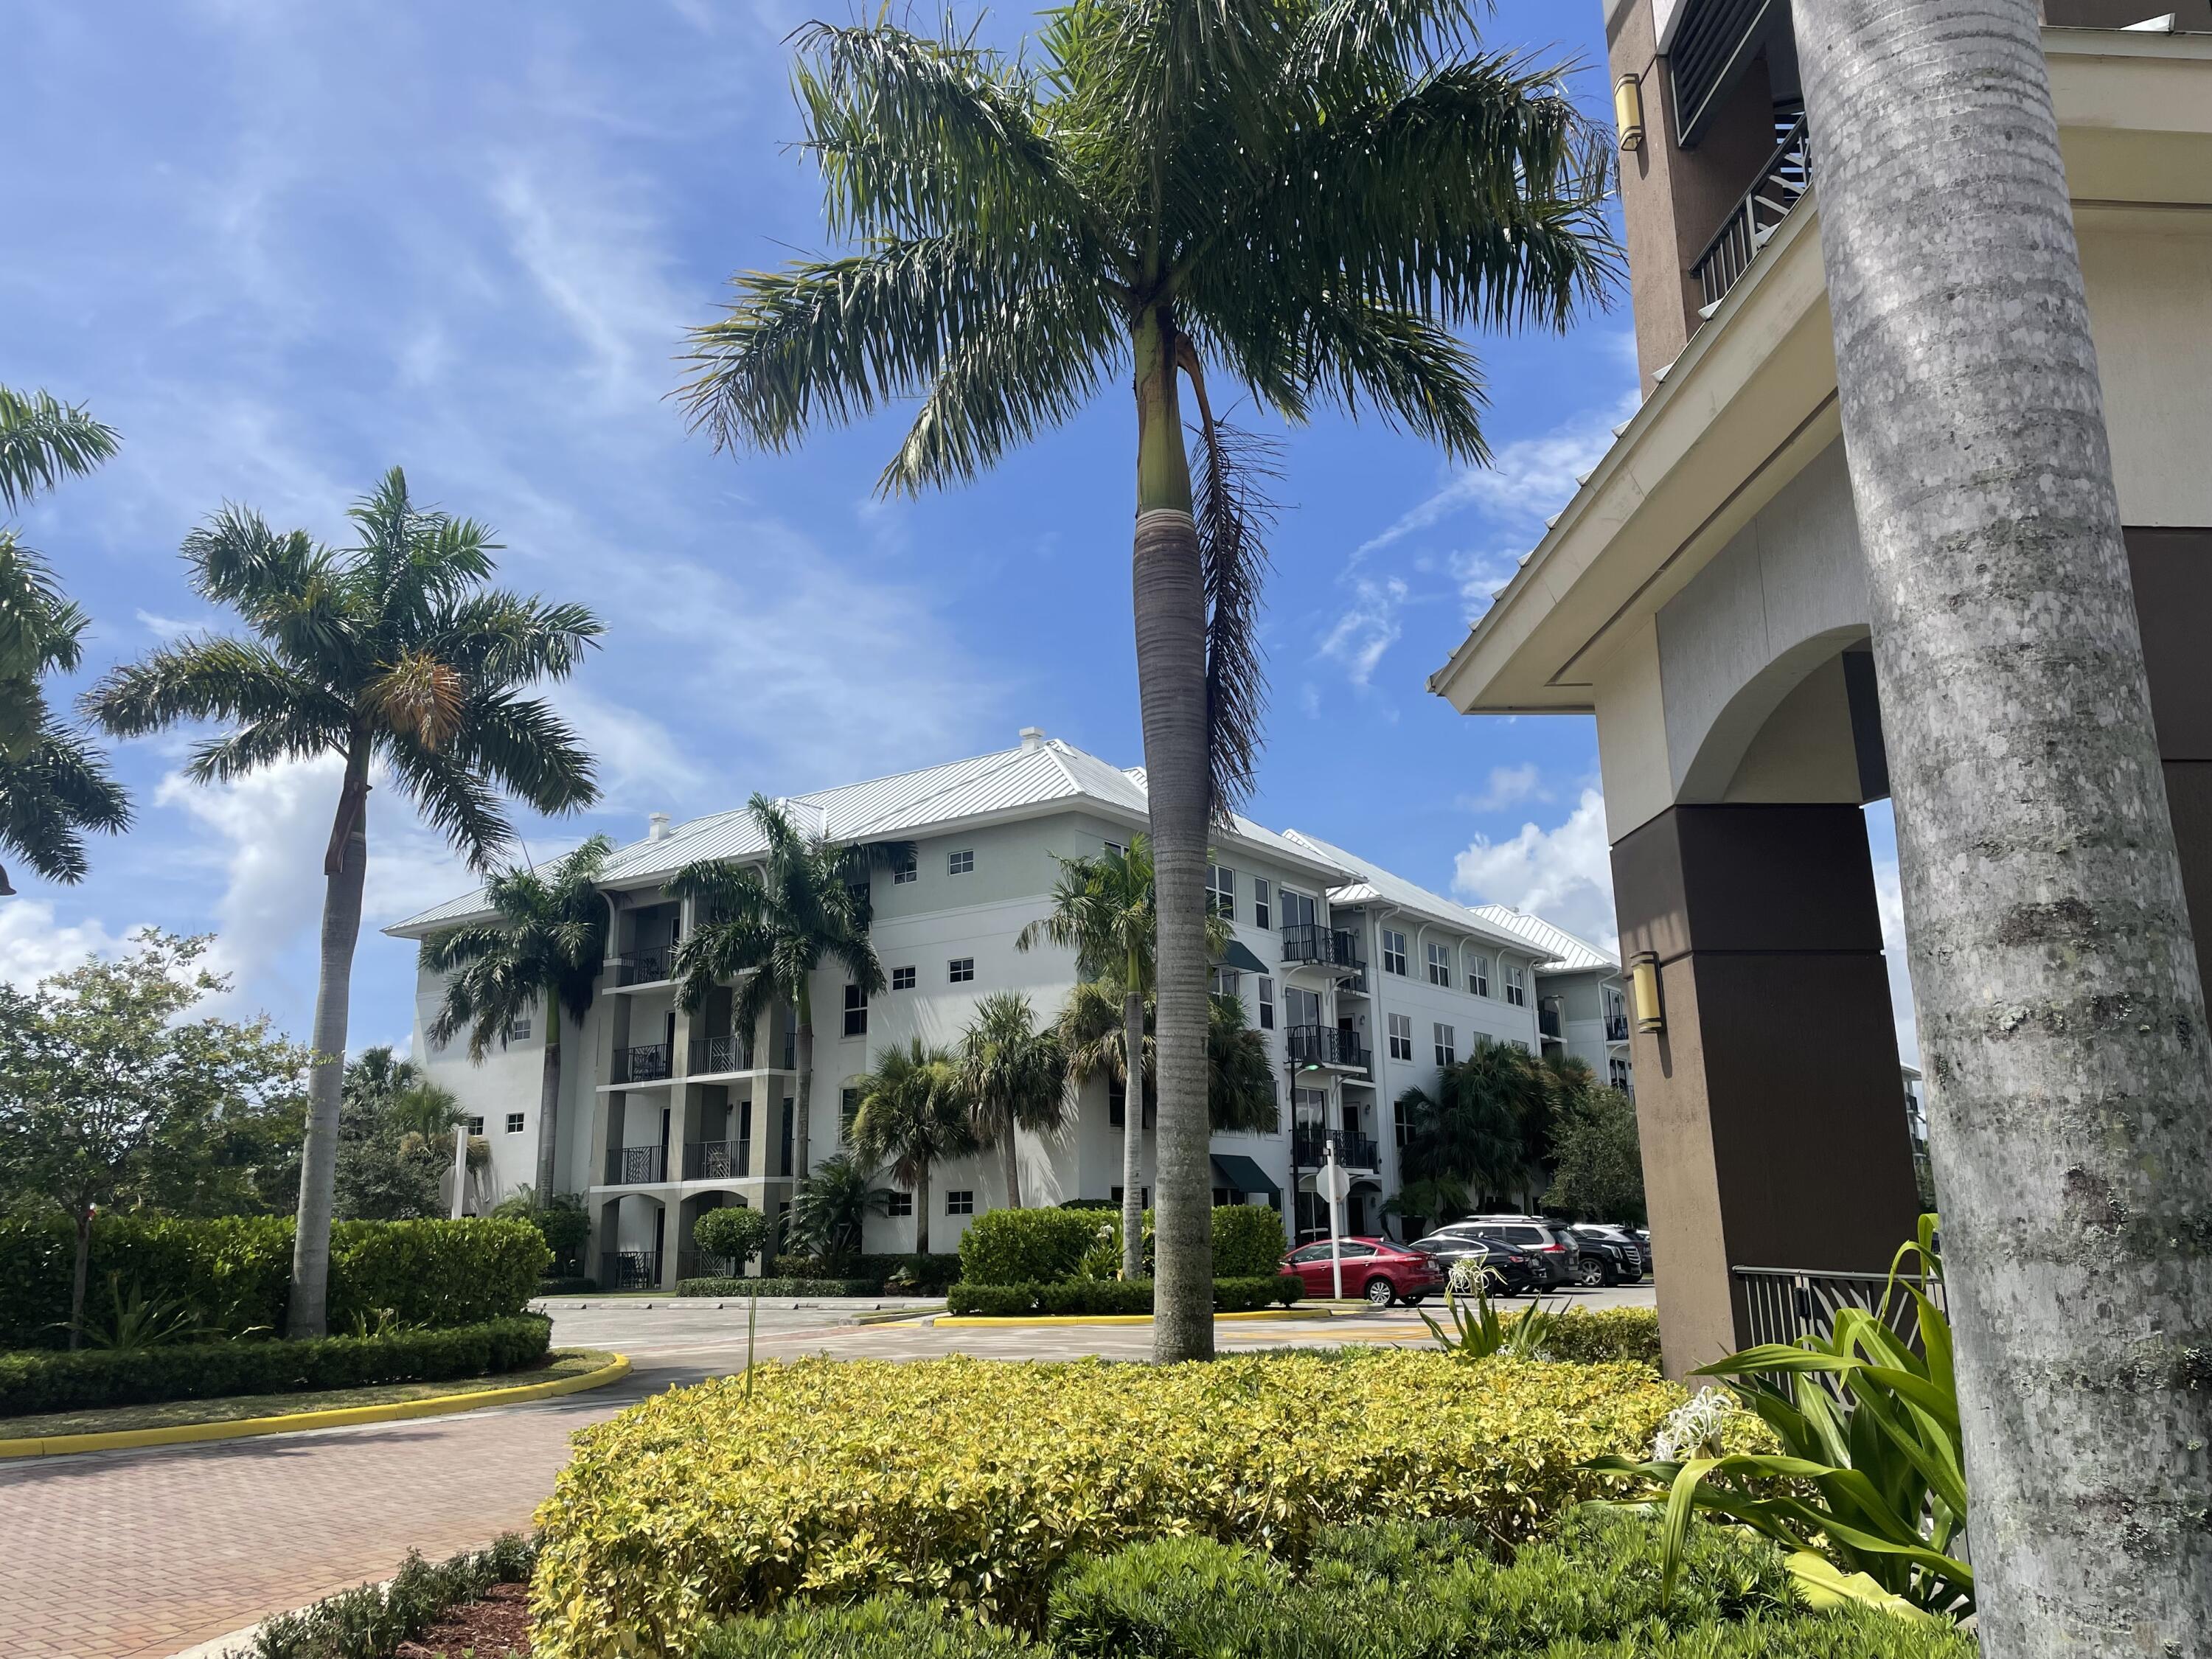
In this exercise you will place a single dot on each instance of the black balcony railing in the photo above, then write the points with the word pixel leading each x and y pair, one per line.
pixel 629 1270
pixel 645 967
pixel 1327 947
pixel 1753 220
pixel 1616 1028
pixel 722 1054
pixel 1547 1022
pixel 648 1063
pixel 715 1160
pixel 636 1166
pixel 1327 1045
pixel 1309 1149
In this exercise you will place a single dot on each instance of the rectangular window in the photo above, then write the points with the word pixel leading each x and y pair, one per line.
pixel 848 1108
pixel 1447 1045
pixel 1478 973
pixel 1221 890
pixel 1516 984
pixel 1440 965
pixel 476 1126
pixel 960 863
pixel 517 1030
pixel 1228 982
pixel 514 1123
pixel 1297 909
pixel 960 970
pixel 901 1204
pixel 1302 1007
pixel 1116 850
pixel 1393 951
pixel 906 870
pixel 1267 1003
pixel 1402 1037
pixel 1144 1196
pixel 1263 913
pixel 856 1011
pixel 961 1201
pixel 902 979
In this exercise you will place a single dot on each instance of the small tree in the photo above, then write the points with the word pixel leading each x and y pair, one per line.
pixel 1015 1077
pixel 1598 1161
pixel 734 1230
pixel 831 1207
pixel 111 1096
pixel 913 1115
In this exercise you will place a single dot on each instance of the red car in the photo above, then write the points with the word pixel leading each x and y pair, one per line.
pixel 1375 1268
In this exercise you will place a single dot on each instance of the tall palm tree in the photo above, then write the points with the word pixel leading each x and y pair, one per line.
pixel 1015 1076
pixel 771 926
pixel 1470 1130
pixel 914 1113
pixel 393 653
pixel 54 786
pixel 1240 1075
pixel 1305 197
pixel 540 954
pixel 2059 1001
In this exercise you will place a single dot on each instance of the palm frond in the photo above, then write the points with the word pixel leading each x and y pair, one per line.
pixel 1233 516
pixel 43 440
pixel 39 627
pixel 455 799
pixel 525 748
pixel 215 678
pixel 238 560
pixel 57 791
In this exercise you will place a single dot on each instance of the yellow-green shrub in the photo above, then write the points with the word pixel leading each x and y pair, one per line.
pixel 1587 1337
pixel 973 1480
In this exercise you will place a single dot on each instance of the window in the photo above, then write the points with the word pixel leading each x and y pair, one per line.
pixel 1144 1196
pixel 1221 890
pixel 1402 1037
pixel 856 1011
pixel 517 1030
pixel 514 1123
pixel 1114 849
pixel 476 1126
pixel 961 1201
pixel 1447 1045
pixel 1516 984
pixel 1393 951
pixel 902 979
pixel 960 970
pixel 1267 1003
pixel 1478 973
pixel 960 863
pixel 1297 909
pixel 1228 982
pixel 1440 965
pixel 848 1108
pixel 901 1204
pixel 1263 914
pixel 906 870
pixel 1304 1007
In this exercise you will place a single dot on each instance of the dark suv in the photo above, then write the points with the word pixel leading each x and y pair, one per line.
pixel 1556 1251
pixel 1511 1271
pixel 1633 1262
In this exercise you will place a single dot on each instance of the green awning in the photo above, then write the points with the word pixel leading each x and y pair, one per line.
pixel 1243 962
pixel 1241 1175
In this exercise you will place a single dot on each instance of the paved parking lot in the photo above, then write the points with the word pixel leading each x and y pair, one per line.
pixel 107 1555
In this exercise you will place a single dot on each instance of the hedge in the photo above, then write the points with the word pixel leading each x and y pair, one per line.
pixel 1248 1241
pixel 1587 1337
pixel 1024 1247
pixel 974 1480
pixel 929 1275
pixel 93 1377
pixel 777 1287
pixel 1111 1296
pixel 372 1621
pixel 233 1272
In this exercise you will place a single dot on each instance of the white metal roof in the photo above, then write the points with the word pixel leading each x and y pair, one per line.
pixel 1567 950
pixel 1372 884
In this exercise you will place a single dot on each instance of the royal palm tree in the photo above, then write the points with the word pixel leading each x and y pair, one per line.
pixel 2060 1006
pixel 540 954
pixel 1305 198
pixel 913 1114
pixel 1240 1075
pixel 771 925
pixel 54 787
pixel 395 655
pixel 1015 1077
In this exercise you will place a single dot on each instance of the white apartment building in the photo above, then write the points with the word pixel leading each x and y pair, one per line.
pixel 1581 999
pixel 1364 984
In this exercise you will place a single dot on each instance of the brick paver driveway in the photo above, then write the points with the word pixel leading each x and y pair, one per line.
pixel 109 1554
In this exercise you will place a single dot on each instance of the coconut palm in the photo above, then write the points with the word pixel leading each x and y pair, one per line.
pixel 540 954
pixel 54 787
pixel 913 1114
pixel 1015 1076
pixel 1240 1089
pixel 771 925
pixel 2059 1001
pixel 1304 197
pixel 393 654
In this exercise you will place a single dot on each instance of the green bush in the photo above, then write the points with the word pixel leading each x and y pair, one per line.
pixel 974 1480
pixel 733 1231
pixel 1023 1247
pixel 47 1381
pixel 882 1627
pixel 372 1621
pixel 899 1275
pixel 777 1287
pixel 435 1274
pixel 1588 1338
pixel 1248 1241
pixel 1092 1297
pixel 566 1227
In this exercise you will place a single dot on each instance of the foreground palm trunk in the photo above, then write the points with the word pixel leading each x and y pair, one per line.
pixel 1169 598
pixel 1133 1130
pixel 549 1102
pixel 2056 988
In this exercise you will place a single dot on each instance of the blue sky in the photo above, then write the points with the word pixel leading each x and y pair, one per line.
pixel 282 248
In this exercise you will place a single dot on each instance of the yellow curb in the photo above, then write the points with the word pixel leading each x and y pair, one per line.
pixel 965 1320
pixel 436 1405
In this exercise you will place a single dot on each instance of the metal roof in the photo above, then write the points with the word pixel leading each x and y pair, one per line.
pixel 1372 884
pixel 1570 952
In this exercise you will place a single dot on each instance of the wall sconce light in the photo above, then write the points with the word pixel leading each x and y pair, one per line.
pixel 1628 111
pixel 1643 991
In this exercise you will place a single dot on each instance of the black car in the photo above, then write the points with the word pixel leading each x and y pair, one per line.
pixel 1620 1252
pixel 1550 1244
pixel 1512 1271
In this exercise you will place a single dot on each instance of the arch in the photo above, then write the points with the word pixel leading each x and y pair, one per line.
pixel 1791 731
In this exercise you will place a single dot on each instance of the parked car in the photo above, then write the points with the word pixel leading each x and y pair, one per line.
pixel 1375 1268
pixel 1636 1241
pixel 1650 1261
pixel 1511 1271
pixel 1620 1251
pixel 1549 1243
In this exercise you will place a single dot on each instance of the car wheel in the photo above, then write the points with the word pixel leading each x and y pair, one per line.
pixel 1380 1293
pixel 1589 1273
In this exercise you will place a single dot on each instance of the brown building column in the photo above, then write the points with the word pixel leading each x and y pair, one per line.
pixel 1771 1107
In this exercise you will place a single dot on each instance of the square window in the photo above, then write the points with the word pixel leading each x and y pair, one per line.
pixel 961 1201
pixel 960 970
pixel 476 1126
pixel 517 1030
pixel 1393 951
pixel 514 1123
pixel 856 1011
pixel 1221 890
pixel 1440 965
pixel 1266 1001
pixel 960 863
pixel 1228 982
pixel 902 979
pixel 905 869
pixel 901 1204
pixel 1402 1037
pixel 1263 913
pixel 1478 973
pixel 1447 1045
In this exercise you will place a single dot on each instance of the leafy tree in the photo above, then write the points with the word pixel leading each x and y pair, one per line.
pixel 1598 1171
pixel 541 954
pixel 734 1230
pixel 396 1131
pixel 54 786
pixel 913 1114
pixel 393 653
pixel 1428 1200
pixel 772 925
pixel 831 1204
pixel 1470 1131
pixel 1306 196
pixel 1015 1077
pixel 113 1096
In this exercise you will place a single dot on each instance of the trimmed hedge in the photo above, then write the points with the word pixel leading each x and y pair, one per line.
pixel 1071 1296
pixel 233 1272
pixel 1025 1247
pixel 93 1377
pixel 777 1287
pixel 1248 1241
pixel 974 1480
pixel 931 1274
pixel 1588 1338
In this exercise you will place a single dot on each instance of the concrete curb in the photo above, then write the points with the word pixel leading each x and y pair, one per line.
pixel 965 1320
pixel 437 1404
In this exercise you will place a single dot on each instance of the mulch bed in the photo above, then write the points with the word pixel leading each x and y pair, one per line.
pixel 495 1628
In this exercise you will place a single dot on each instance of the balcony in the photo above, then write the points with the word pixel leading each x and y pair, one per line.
pixel 645 967
pixel 1616 1028
pixel 1308 942
pixel 714 1055
pixel 1310 1148
pixel 636 1166
pixel 629 1270
pixel 715 1160
pixel 648 1063
pixel 1751 224
pixel 1327 1045
pixel 1549 1023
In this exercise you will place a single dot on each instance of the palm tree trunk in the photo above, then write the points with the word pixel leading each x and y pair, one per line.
pixel 549 1102
pixel 79 1273
pixel 921 1210
pixel 803 1042
pixel 1133 1130
pixel 1169 601
pixel 2057 990
pixel 1011 1152
pixel 307 1311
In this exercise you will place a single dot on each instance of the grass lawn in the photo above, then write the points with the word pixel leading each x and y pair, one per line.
pixel 561 1363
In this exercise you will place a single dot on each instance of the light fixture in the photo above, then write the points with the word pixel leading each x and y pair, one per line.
pixel 1628 111
pixel 1643 990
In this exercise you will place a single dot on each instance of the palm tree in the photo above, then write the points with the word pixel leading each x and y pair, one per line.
pixel 393 653
pixel 541 954
pixel 913 1113
pixel 1470 1130
pixel 54 787
pixel 773 925
pixel 1306 196
pixel 2059 1001
pixel 1015 1077
pixel 1239 1076
pixel 831 1204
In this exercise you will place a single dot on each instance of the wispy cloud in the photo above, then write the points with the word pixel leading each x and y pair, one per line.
pixel 1508 786
pixel 1367 628
pixel 33 944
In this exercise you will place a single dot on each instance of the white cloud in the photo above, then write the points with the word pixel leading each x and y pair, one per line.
pixel 1564 875
pixel 31 946
pixel 637 755
pixel 1368 627
pixel 1889 899
pixel 166 628
pixel 1509 784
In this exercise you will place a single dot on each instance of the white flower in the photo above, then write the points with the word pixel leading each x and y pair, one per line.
pixel 1692 1425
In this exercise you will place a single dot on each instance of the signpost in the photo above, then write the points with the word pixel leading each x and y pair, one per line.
pixel 1335 1182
